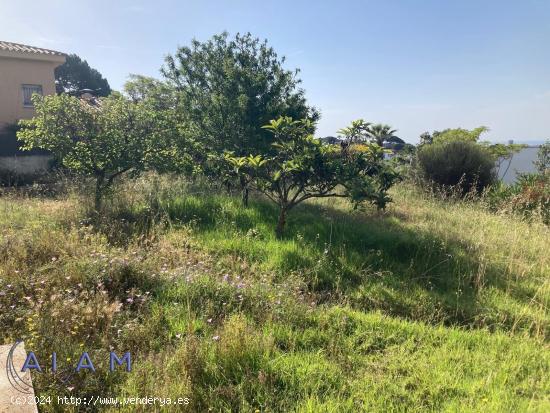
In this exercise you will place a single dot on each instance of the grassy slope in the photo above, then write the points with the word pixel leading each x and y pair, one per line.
pixel 433 306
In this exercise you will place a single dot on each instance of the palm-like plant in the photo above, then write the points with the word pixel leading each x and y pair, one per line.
pixel 381 134
pixel 357 132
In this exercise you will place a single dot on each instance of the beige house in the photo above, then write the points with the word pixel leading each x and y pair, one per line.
pixel 24 70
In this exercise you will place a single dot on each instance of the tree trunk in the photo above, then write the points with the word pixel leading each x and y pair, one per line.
pixel 244 190
pixel 98 193
pixel 245 197
pixel 279 231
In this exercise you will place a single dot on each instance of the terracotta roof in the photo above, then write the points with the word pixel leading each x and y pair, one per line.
pixel 16 47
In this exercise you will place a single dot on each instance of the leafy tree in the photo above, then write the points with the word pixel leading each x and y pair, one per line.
pixel 356 133
pixel 241 169
pixel 185 154
pixel 459 134
pixel 76 74
pixel 103 139
pixel 301 168
pixel 228 88
pixel 381 134
pixel 157 92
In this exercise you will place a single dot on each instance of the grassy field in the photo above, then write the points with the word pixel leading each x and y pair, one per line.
pixel 431 306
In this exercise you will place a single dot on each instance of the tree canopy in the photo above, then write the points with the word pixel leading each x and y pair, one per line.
pixel 300 168
pixel 76 74
pixel 230 87
pixel 103 139
pixel 227 88
pixel 382 134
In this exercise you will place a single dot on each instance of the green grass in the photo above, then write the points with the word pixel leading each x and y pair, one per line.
pixel 432 306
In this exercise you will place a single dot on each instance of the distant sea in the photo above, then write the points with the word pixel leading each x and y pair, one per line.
pixel 521 162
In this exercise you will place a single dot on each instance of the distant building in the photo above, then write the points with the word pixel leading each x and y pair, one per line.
pixel 329 140
pixel 24 70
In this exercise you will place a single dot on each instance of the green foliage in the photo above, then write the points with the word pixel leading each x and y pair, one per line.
pixel 383 134
pixel 356 133
pixel 456 163
pixel 468 164
pixel 361 132
pixel 529 195
pixel 435 306
pixel 174 147
pixel 159 94
pixel 500 152
pixel 458 134
pixel 241 169
pixel 543 158
pixel 227 89
pixel 76 74
pixel 300 168
pixel 103 138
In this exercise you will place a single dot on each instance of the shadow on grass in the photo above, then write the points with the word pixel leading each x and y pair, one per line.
pixel 373 262
pixel 369 262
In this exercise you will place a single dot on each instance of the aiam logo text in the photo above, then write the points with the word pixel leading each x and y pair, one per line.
pixel 31 363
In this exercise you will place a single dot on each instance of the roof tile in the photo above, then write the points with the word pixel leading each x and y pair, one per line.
pixel 16 47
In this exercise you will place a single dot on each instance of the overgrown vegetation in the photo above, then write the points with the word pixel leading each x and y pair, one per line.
pixel 227 89
pixel 433 306
pixel 529 196
pixel 350 303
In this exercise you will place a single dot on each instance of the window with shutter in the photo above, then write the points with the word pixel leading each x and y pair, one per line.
pixel 28 91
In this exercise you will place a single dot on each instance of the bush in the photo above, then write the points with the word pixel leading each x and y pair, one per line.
pixel 457 164
pixel 529 197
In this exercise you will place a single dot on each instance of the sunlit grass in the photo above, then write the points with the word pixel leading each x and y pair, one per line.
pixel 431 306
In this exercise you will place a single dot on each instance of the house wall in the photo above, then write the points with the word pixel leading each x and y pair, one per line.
pixel 25 165
pixel 17 70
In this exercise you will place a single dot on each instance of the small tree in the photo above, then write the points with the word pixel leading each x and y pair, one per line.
pixel 382 134
pixel 227 89
pixel 174 150
pixel 301 168
pixel 356 133
pixel 103 139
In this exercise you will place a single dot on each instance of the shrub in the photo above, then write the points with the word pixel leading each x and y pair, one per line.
pixel 529 197
pixel 459 164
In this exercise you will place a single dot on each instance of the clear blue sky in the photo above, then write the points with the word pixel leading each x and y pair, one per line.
pixel 418 65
